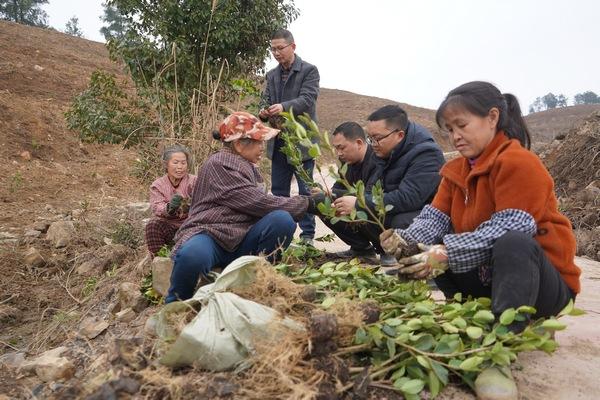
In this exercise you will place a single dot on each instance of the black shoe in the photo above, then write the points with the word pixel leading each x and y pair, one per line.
pixel 366 254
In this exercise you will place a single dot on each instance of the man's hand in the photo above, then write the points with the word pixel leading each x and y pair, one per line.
pixel 275 109
pixel 174 204
pixel 263 114
pixel 345 204
pixel 431 262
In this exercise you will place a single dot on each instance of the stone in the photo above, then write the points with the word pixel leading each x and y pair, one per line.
pixel 60 233
pixel 104 258
pixel 451 155
pixel 12 360
pixel 50 366
pixel 25 155
pixel 131 297
pixel 161 274
pixel 77 213
pixel 125 315
pixel 92 327
pixel 496 383
pixel 99 362
pixel 41 226
pixel 38 68
pixel 33 258
pixel 32 233
pixel 141 207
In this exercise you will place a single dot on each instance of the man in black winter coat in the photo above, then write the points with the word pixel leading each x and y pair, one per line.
pixel 407 162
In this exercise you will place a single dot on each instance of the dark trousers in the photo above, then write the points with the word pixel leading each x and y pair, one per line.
pixel 521 275
pixel 361 236
pixel 201 253
pixel 281 182
pixel 158 233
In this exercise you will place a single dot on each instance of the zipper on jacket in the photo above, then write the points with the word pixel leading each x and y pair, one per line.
pixel 466 196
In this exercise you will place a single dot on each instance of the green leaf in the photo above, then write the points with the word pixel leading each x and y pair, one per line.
pixel 474 332
pixel 389 330
pixel 391 347
pixel 459 322
pixel 508 316
pixel 412 386
pixel 425 342
pixel 363 293
pixel 549 346
pixel 484 316
pixel 314 151
pixel 457 297
pixel 553 325
pixel 393 321
pixel 489 339
pixel 526 310
pixel 434 384
pixel 471 363
pixel 501 358
pixel 362 215
pixel 399 373
pixel 423 361
pixel 328 302
pixel 440 371
pixel 414 324
pixel 448 327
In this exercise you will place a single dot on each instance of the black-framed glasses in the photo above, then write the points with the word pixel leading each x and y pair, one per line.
pixel 279 49
pixel 372 141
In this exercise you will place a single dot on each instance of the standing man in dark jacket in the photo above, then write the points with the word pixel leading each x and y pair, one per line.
pixel 292 85
pixel 407 163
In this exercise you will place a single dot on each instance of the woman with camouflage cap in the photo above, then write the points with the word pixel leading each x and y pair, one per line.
pixel 231 214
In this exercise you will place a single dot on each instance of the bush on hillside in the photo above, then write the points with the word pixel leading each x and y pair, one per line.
pixel 103 113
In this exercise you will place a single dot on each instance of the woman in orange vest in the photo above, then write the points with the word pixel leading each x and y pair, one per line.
pixel 493 228
pixel 494 225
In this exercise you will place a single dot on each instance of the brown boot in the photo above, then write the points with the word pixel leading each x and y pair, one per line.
pixel 496 383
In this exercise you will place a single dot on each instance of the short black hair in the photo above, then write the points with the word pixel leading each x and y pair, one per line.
pixel 283 34
pixel 393 115
pixel 351 130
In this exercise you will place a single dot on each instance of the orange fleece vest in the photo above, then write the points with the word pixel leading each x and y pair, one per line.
pixel 505 176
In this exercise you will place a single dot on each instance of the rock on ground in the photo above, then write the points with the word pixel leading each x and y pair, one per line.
pixel 103 259
pixel 161 274
pixel 60 233
pixel 33 258
pixel 50 366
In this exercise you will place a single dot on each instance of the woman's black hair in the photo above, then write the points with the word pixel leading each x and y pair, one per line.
pixel 479 98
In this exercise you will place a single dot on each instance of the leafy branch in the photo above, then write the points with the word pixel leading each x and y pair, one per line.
pixel 302 132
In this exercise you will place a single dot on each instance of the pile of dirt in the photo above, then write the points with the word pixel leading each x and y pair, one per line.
pixel 574 162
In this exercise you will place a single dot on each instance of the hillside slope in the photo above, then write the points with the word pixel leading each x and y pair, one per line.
pixel 546 125
pixel 41 161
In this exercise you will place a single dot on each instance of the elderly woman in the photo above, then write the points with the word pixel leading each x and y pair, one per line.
pixel 494 224
pixel 231 214
pixel 169 198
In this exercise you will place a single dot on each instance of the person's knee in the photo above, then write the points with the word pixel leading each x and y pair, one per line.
pixel 282 222
pixel 511 241
pixel 189 260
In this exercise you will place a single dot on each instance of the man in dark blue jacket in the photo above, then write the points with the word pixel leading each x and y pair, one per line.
pixel 292 85
pixel 407 163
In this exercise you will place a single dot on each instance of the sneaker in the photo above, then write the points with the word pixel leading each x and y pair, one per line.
pixel 496 383
pixel 367 255
pixel 387 260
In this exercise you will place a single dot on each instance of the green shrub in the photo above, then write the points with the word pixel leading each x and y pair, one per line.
pixel 104 114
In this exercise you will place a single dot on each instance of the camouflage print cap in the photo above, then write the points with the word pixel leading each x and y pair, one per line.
pixel 243 125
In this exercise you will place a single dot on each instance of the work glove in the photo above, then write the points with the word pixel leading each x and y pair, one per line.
pixel 392 243
pixel 174 204
pixel 431 262
pixel 313 202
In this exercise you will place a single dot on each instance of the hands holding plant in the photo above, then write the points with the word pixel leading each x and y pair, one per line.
pixel 417 261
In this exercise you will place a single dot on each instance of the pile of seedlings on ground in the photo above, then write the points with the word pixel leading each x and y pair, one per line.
pixel 575 166
pixel 364 332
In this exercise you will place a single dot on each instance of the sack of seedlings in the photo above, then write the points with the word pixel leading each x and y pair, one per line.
pixel 221 335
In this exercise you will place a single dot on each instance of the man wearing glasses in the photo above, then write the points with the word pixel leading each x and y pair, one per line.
pixel 292 85
pixel 407 161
